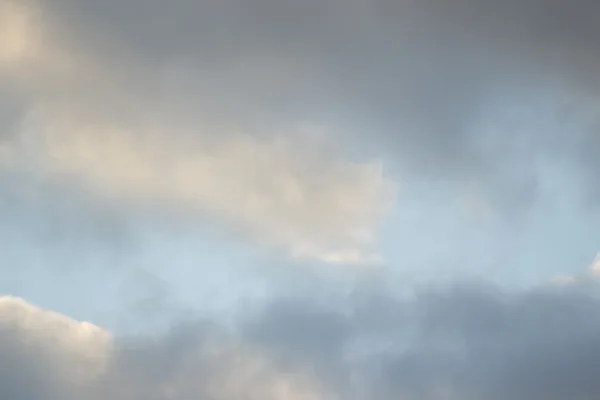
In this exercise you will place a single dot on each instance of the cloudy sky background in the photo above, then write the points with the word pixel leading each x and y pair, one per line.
pixel 360 199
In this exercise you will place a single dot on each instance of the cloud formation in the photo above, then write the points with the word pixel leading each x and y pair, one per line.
pixel 275 119
pixel 283 192
pixel 280 185
pixel 413 79
pixel 480 94
pixel 465 341
pixel 48 355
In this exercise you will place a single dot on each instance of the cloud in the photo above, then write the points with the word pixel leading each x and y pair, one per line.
pixel 48 355
pixel 89 121
pixel 445 99
pixel 15 35
pixel 463 341
pixel 411 79
pixel 206 110
pixel 282 191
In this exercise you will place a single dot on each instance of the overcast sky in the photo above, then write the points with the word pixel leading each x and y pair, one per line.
pixel 299 200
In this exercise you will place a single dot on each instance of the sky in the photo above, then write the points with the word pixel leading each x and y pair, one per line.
pixel 299 200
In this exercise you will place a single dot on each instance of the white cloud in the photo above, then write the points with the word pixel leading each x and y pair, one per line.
pixel 87 361
pixel 588 276
pixel 595 266
pixel 283 190
pixel 77 351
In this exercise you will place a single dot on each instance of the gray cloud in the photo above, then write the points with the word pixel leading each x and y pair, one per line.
pixel 123 130
pixel 420 81
pixel 470 341
pixel 463 341
pixel 413 79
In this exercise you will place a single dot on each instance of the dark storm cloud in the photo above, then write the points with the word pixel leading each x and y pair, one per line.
pixel 467 342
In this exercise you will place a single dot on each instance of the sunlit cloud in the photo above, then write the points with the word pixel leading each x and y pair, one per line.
pixel 282 191
pixel 19 36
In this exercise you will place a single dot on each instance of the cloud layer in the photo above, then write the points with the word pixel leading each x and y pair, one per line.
pixel 273 121
pixel 275 183
pixel 285 193
pixel 414 78
pixel 465 341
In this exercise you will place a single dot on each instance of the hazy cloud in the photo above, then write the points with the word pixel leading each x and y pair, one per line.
pixel 276 119
pixel 463 341
pixel 277 182
pixel 419 76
